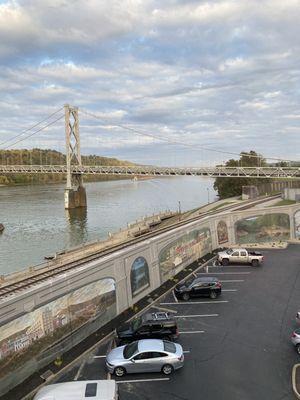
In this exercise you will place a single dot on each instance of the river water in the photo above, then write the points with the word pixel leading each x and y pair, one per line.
pixel 36 223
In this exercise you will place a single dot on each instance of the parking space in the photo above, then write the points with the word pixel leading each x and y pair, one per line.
pixel 236 346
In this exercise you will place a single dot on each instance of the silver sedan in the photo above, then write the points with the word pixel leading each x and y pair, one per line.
pixel 149 355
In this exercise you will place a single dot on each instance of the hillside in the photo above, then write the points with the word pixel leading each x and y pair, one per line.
pixel 49 157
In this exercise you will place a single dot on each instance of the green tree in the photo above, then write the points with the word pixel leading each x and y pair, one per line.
pixel 229 187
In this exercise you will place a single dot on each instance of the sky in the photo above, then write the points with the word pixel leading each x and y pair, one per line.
pixel 217 75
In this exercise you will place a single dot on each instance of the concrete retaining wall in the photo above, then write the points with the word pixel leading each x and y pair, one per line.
pixel 74 303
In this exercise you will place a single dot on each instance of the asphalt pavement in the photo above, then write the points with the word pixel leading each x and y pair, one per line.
pixel 236 347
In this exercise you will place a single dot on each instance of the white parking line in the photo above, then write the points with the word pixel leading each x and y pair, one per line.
pixel 79 371
pixel 226 273
pixel 190 332
pixel 144 380
pixel 175 298
pixel 196 316
pixel 232 280
pixel 99 356
pixel 229 290
pixel 231 266
pixel 186 351
pixel 197 302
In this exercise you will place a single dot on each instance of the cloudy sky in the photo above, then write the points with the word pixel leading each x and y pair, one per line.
pixel 220 75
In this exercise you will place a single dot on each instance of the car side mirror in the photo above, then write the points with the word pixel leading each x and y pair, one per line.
pixel 133 360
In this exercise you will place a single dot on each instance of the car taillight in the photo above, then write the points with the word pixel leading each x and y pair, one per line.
pixel 262 259
pixel 218 285
pixel 177 332
pixel 181 358
pixel 294 334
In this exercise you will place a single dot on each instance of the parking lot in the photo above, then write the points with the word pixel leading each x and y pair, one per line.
pixel 236 346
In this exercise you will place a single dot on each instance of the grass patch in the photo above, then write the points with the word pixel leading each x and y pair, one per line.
pixel 284 203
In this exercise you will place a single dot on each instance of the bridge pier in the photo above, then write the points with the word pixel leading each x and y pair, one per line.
pixel 75 198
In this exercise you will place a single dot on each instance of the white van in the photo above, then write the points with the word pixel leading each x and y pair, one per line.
pixel 79 390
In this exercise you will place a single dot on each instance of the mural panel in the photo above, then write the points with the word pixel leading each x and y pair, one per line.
pixel 26 337
pixel 263 228
pixel 184 250
pixel 222 232
pixel 139 275
pixel 297 224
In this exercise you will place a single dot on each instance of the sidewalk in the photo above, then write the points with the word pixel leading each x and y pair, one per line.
pixel 296 380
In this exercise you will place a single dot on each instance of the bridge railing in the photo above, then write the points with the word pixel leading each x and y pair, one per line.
pixel 145 170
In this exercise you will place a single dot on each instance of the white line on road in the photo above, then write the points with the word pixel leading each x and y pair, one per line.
pixel 196 316
pixel 232 280
pixel 196 302
pixel 229 290
pixel 175 298
pixel 190 332
pixel 226 273
pixel 79 371
pixel 186 351
pixel 99 356
pixel 144 380
pixel 231 266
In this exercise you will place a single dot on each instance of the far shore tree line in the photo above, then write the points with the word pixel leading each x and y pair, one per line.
pixel 49 157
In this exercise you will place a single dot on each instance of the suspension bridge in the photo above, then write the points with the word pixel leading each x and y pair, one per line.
pixel 75 195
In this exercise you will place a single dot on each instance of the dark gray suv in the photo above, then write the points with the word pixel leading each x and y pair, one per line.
pixel 197 287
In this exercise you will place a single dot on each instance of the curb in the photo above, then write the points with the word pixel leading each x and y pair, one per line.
pixel 297 394
pixel 85 354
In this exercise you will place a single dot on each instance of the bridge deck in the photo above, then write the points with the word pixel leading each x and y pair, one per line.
pixel 242 172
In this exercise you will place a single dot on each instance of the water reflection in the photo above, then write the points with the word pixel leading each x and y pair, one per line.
pixel 77 222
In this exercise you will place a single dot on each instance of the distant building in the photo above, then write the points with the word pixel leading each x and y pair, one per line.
pixel 42 326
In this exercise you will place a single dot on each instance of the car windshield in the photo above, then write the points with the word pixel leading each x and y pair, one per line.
pixel 229 251
pixel 136 323
pixel 169 347
pixel 130 349
pixel 189 281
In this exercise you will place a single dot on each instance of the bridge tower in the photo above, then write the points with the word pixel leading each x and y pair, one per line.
pixel 75 195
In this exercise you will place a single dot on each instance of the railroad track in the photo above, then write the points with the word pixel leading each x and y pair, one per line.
pixel 25 283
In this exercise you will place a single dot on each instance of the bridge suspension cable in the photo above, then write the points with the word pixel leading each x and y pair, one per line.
pixel 177 142
pixel 32 127
pixel 33 133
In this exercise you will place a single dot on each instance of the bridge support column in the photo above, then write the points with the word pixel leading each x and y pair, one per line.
pixel 75 195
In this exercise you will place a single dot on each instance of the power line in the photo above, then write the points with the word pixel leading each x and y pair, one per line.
pixel 33 126
pixel 34 133
pixel 176 142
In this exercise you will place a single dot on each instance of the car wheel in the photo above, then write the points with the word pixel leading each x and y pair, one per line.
pixel 254 263
pixel 185 296
pixel 298 348
pixel 167 369
pixel 213 294
pixel 225 261
pixel 120 371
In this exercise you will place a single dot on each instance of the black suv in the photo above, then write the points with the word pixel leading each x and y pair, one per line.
pixel 149 326
pixel 196 287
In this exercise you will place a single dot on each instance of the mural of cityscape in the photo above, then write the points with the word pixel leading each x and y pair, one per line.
pixel 297 224
pixel 222 232
pixel 27 336
pixel 263 228
pixel 184 250
pixel 139 275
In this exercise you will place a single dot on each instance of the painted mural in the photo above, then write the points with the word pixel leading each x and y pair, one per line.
pixel 222 232
pixel 139 275
pixel 297 224
pixel 184 250
pixel 263 228
pixel 26 337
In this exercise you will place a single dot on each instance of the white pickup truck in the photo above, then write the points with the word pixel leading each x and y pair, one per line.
pixel 240 256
